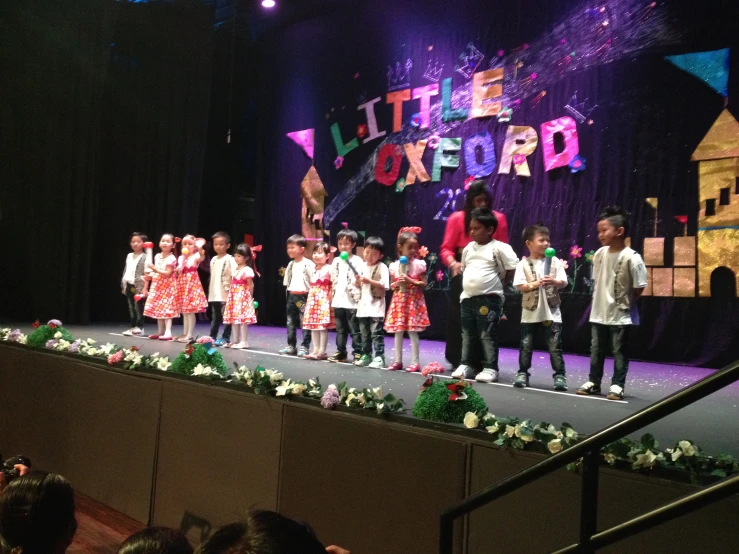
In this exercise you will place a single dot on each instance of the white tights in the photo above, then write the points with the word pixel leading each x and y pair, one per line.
pixel 164 327
pixel 188 322
pixel 320 341
pixel 239 332
pixel 415 346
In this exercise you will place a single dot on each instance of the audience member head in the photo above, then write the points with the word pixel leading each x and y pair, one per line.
pixel 156 540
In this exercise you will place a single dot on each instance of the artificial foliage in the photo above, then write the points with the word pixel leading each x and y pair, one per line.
pixel 45 333
pixel 194 355
pixel 436 401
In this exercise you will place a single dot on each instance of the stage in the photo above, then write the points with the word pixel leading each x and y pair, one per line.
pixel 709 422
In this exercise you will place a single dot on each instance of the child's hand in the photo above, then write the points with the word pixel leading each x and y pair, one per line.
pixel 403 278
pixel 152 267
pixel 548 280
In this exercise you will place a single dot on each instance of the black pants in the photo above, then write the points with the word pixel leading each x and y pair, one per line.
pixel 135 309
pixel 480 317
pixel 617 338
pixel 373 333
pixel 554 346
pixel 347 324
pixel 216 313
pixel 453 352
pixel 295 309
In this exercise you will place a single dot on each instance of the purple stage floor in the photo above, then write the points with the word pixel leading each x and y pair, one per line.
pixel 711 422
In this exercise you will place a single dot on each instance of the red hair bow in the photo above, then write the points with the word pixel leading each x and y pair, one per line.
pixel 254 250
pixel 177 239
pixel 416 230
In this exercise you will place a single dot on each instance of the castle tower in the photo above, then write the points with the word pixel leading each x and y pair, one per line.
pixel 718 215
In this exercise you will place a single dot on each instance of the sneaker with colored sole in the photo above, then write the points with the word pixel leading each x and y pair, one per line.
pixel 289 351
pixel 302 352
pixel 363 361
pixel 338 358
pixel 377 363
pixel 560 383
pixel 615 393
pixel 220 342
pixel 487 376
pixel 522 380
pixel 127 332
pixel 588 388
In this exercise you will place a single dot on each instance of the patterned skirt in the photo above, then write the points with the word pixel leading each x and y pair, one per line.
pixel 239 306
pixel 407 311
pixel 192 296
pixel 318 314
pixel 163 301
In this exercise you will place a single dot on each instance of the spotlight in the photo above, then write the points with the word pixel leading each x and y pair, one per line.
pixel 268 3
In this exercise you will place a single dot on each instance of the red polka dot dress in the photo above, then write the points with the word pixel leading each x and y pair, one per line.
pixel 163 301
pixel 192 296
pixel 408 310
pixel 318 314
pixel 240 304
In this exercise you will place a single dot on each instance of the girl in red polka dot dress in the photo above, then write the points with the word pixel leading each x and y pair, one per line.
pixel 408 307
pixel 192 296
pixel 318 315
pixel 163 302
pixel 239 311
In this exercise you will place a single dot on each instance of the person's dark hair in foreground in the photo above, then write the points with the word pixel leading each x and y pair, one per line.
pixel 156 540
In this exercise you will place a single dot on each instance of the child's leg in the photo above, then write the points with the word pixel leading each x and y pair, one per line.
pixel 470 336
pixel 168 327
pixel 526 346
pixel 244 332
pixel 378 336
pixel 235 328
pixel 132 309
pixel 305 344
pixel 216 318
pixel 293 320
pixel 415 347
pixel 358 345
pixel 321 341
pixel 140 314
pixel 487 328
pixel 365 324
pixel 620 343
pixel 554 344
pixel 399 346
pixel 342 329
pixel 599 336
pixel 160 327
pixel 188 321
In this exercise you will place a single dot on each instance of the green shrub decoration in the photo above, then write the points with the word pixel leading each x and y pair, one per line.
pixel 433 402
pixel 43 334
pixel 185 363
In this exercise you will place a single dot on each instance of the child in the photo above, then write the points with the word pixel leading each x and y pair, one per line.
pixel 540 305
pixel 239 310
pixel 346 296
pixel 487 265
pixel 221 271
pixel 374 281
pixel 162 303
pixel 132 284
pixel 297 281
pixel 192 296
pixel 620 278
pixel 408 307
pixel 318 317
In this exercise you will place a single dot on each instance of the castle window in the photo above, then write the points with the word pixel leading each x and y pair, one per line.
pixel 724 198
pixel 710 207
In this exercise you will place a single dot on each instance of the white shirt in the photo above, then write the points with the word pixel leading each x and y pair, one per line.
pixel 215 289
pixel 297 284
pixel 341 298
pixel 369 306
pixel 129 275
pixel 480 274
pixel 604 310
pixel 543 312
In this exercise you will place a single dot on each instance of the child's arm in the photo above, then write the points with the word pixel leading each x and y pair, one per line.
pixel 508 277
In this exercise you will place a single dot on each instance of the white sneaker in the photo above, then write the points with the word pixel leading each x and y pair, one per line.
pixel 615 393
pixel 137 331
pixel 127 333
pixel 487 376
pixel 242 345
pixel 460 372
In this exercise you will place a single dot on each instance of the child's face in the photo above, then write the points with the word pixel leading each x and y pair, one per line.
pixel 371 256
pixel 295 250
pixel 409 249
pixel 137 244
pixel 346 245
pixel 538 244
pixel 188 241
pixel 165 243
pixel 319 257
pixel 608 234
pixel 479 233
pixel 240 259
pixel 220 245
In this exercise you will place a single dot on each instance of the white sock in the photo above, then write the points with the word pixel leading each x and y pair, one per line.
pixel 167 327
pixel 399 346
pixel 415 347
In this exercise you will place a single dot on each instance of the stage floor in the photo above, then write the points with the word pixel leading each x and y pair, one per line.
pixel 712 422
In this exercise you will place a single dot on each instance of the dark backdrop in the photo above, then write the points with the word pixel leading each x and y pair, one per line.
pixel 649 119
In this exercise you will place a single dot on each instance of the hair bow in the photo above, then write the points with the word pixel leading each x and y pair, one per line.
pixel 468 182
pixel 177 239
pixel 254 250
pixel 416 230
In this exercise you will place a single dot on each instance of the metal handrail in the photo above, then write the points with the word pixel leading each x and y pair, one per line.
pixel 592 445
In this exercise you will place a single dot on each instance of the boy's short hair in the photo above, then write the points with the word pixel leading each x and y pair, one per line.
pixel 222 235
pixel 142 236
pixel 616 216
pixel 298 240
pixel 530 232
pixel 485 217
pixel 375 243
pixel 347 234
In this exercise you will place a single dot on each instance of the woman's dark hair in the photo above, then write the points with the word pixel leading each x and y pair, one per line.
pixel 156 540
pixel 37 514
pixel 616 216
pixel 476 189
pixel 323 247
pixel 245 250
pixel 142 236
pixel 485 217
pixel 376 243
pixel 263 532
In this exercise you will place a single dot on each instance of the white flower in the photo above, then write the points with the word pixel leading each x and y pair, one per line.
pixel 552 430
pixel 163 363
pixel 610 458
pixel 517 430
pixel 570 433
pixel 527 437
pixel 492 428
pixel 23 339
pixel 554 446
pixel 275 376
pixel 106 348
pixel 332 387
pixel 298 389
pixel 471 421
pixel 510 431
pixel 645 460
pixel 559 435
pixel 312 383
pixel 687 448
pixel 134 358
pixel 676 454
pixel 62 345
pixel 380 407
pixel 283 388
pixel 58 335
pixel 90 341
pixel 350 397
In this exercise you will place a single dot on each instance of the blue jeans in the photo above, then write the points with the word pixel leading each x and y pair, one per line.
pixel 554 345
pixel 618 338
pixel 346 324
pixel 216 318
pixel 295 309
pixel 135 309
pixel 480 318
pixel 373 333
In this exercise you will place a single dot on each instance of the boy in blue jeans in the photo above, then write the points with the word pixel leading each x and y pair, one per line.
pixel 297 281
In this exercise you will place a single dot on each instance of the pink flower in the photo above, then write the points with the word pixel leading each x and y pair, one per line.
pixel 534 76
pixel 519 159
pixel 500 53
pixel 433 367
pixel 205 340
pixel 565 264
pixel 338 162
pixel 576 252
pixel 423 252
pixel 439 275
pixel 115 358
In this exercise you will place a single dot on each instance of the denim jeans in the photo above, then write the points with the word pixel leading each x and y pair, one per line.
pixel 373 332
pixel 347 324
pixel 618 337
pixel 295 309
pixel 554 345
pixel 480 318
pixel 216 318
pixel 135 309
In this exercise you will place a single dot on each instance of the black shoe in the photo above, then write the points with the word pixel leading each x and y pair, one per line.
pixel 560 383
pixel 338 357
pixel 586 389
pixel 522 380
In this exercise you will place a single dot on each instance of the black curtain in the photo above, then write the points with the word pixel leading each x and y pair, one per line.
pixel 103 119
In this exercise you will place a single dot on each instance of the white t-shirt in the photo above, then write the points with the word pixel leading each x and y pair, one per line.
pixel 604 310
pixel 341 298
pixel 297 282
pixel 215 288
pixel 369 306
pixel 480 273
pixel 129 275
pixel 543 312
